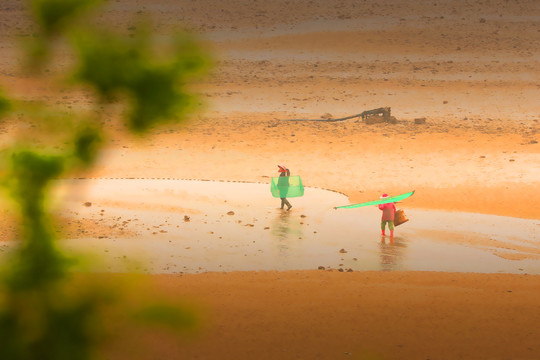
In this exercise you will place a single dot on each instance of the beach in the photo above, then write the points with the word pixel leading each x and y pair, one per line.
pixel 461 80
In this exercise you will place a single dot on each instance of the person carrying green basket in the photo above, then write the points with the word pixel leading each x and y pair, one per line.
pixel 283 186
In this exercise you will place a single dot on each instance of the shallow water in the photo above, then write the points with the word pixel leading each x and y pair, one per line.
pixel 260 236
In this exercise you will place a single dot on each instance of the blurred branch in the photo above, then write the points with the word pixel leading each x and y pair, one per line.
pixel 42 314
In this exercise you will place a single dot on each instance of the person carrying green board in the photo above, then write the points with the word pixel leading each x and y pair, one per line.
pixel 386 204
pixel 283 186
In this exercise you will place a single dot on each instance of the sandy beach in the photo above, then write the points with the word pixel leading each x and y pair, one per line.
pixel 469 68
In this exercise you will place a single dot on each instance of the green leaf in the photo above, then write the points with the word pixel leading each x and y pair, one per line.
pixel 54 15
pixel 171 316
pixel 86 144
pixel 5 105
pixel 155 84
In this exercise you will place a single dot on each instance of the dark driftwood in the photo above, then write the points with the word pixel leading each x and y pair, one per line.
pixel 385 112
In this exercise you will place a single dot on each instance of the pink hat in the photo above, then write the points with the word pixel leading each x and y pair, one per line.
pixel 282 168
pixel 384 196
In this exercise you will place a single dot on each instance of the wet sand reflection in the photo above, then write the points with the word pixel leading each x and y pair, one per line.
pixel 286 230
pixel 392 253
pixel 195 226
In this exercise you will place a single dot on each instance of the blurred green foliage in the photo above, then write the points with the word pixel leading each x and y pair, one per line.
pixel 5 104
pixel 51 322
pixel 38 317
pixel 166 314
pixel 44 313
pixel 86 143
pixel 54 16
pixel 28 178
pixel 154 84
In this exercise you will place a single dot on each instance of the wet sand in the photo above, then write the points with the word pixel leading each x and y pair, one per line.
pixel 470 68
pixel 187 226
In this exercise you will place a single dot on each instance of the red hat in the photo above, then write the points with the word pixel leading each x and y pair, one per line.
pixel 282 168
pixel 384 196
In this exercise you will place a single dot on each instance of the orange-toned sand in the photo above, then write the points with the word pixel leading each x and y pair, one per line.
pixel 333 315
pixel 471 68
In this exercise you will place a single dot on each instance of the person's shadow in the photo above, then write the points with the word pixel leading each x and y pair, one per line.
pixel 392 252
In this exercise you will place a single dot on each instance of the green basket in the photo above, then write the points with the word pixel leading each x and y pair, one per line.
pixel 287 187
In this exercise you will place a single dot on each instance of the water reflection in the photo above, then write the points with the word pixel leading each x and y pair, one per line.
pixel 286 229
pixel 392 253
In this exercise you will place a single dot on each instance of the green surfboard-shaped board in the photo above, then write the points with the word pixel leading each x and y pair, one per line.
pixel 377 202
